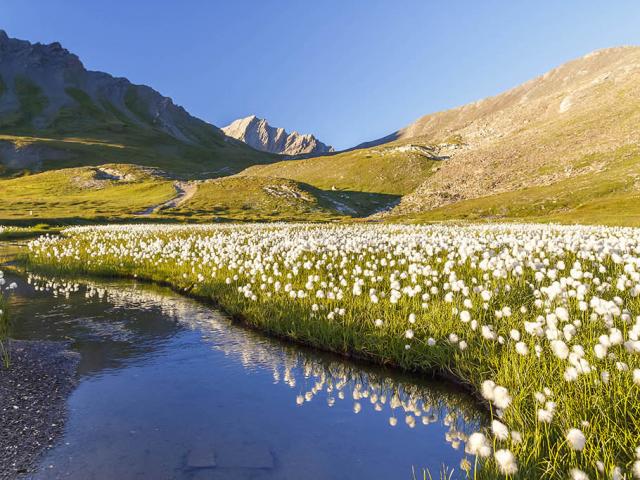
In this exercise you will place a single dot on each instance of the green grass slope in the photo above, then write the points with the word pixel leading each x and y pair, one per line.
pixel 81 195
pixel 256 199
pixel 367 180
pixel 373 170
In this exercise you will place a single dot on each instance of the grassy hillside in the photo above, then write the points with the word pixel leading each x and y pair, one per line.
pixel 560 126
pixel 80 194
pixel 54 151
pixel 374 170
pixel 256 199
pixel 119 192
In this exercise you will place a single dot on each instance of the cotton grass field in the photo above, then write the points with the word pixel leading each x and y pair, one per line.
pixel 541 322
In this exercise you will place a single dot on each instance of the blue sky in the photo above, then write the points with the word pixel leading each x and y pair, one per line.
pixel 345 70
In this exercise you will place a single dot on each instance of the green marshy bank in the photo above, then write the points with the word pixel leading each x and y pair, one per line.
pixel 5 326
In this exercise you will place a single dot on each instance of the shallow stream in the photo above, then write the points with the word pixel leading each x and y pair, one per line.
pixel 172 389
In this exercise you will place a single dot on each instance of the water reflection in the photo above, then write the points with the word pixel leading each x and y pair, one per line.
pixel 125 325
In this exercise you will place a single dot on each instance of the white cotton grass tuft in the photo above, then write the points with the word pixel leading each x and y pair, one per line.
pixel 506 462
pixel 477 444
pixel 486 389
pixel 500 430
pixel 545 416
pixel 576 439
pixel 577 474
pixel 560 349
pixel 501 397
pixel 617 474
pixel 496 394
pixel 522 348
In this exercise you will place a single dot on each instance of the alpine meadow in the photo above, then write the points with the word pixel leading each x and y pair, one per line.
pixel 456 299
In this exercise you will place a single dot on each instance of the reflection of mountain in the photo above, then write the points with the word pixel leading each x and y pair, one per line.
pixel 151 314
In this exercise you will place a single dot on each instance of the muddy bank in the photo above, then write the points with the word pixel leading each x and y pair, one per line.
pixel 33 394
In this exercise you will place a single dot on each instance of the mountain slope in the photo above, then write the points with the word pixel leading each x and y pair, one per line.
pixel 257 133
pixel 565 124
pixel 54 113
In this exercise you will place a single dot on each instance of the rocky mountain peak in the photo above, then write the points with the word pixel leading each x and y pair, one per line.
pixel 257 133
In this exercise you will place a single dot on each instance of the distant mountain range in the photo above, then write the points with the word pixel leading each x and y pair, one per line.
pixel 564 146
pixel 257 133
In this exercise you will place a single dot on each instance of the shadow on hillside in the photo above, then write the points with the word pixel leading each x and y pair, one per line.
pixel 357 204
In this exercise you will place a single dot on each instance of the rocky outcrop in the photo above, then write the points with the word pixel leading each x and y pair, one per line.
pixel 257 133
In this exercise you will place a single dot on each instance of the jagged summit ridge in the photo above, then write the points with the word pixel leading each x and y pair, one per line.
pixel 257 133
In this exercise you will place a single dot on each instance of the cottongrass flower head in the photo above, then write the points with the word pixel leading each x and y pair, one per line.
pixel 577 474
pixel 501 397
pixel 478 445
pixel 545 416
pixel 506 462
pixel 576 439
pixel 500 430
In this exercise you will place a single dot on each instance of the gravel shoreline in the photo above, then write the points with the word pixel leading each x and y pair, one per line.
pixel 33 395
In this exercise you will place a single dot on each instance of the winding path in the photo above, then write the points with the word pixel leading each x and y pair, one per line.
pixel 184 191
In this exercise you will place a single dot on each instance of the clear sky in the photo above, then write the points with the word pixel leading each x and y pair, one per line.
pixel 345 70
